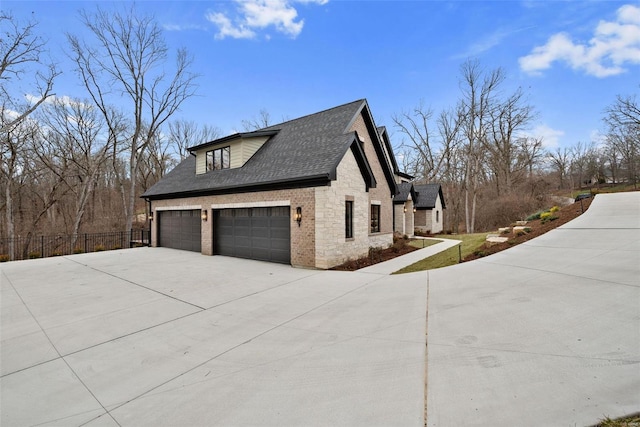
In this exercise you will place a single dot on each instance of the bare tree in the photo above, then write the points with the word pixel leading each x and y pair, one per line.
pixel 126 64
pixel 184 134
pixel 560 161
pixel 623 120
pixel 254 123
pixel 428 149
pixel 21 54
pixel 76 131
pixel 505 120
pixel 479 91
pixel 531 153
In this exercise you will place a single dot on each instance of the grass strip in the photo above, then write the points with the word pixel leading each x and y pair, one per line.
pixel 470 243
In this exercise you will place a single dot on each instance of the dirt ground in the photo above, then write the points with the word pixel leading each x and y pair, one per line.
pixel 537 228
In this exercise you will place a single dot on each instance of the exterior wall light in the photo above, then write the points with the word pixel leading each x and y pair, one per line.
pixel 298 216
pixel 404 209
pixel 203 215
pixel 414 209
pixel 151 216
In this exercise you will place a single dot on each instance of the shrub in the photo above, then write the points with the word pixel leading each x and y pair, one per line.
pixel 78 251
pixel 99 248
pixel 116 247
pixel 548 218
pixel 534 216
pixel 554 209
pixel 520 233
pixel 4 258
pixel 34 255
pixel 527 229
pixel 545 215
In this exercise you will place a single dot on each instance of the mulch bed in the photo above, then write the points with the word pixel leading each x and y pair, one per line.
pixel 399 247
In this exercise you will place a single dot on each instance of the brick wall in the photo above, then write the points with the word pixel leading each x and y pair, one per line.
pixel 302 237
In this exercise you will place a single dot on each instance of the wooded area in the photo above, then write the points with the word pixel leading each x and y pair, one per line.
pixel 71 166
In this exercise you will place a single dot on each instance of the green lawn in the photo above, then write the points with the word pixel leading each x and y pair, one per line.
pixel 470 243
pixel 423 243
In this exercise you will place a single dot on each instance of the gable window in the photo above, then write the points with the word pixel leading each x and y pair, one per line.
pixel 375 218
pixel 437 216
pixel 218 159
pixel 348 219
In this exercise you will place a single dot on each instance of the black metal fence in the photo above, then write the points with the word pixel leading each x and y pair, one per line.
pixel 32 247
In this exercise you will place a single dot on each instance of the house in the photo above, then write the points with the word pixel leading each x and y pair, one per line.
pixel 310 192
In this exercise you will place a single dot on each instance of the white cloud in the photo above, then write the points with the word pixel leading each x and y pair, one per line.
pixel 179 27
pixel 253 15
pixel 614 45
pixel 227 29
pixel 550 137
pixel 488 42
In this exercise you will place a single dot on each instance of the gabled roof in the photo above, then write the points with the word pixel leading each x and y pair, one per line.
pixel 301 152
pixel 403 190
pixel 427 196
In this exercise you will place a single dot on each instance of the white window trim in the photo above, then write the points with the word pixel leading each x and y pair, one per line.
pixel 178 208
pixel 376 202
pixel 267 204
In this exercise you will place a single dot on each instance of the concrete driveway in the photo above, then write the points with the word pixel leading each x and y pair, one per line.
pixel 152 336
pixel 544 334
pixel 547 333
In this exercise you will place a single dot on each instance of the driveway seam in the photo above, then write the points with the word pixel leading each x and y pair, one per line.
pixel 58 352
pixel 134 283
pixel 566 356
pixel 241 344
pixel 558 272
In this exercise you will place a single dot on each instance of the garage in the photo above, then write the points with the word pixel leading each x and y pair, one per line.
pixel 180 230
pixel 254 233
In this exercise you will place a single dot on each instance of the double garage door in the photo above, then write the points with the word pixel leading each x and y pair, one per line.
pixel 255 233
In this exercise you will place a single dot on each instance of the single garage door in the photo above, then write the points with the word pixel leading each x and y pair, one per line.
pixel 255 233
pixel 180 230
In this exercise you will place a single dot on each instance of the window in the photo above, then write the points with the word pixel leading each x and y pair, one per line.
pixel 348 219
pixel 218 159
pixel 437 216
pixel 375 218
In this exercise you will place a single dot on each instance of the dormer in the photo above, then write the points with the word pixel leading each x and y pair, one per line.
pixel 230 152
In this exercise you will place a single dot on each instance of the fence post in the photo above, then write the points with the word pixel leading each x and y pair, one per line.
pixel 85 243
pixel 42 246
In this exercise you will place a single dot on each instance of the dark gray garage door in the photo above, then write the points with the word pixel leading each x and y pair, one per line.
pixel 180 230
pixel 255 233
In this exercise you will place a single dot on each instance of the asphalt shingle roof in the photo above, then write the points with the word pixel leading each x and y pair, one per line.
pixel 402 192
pixel 427 195
pixel 306 148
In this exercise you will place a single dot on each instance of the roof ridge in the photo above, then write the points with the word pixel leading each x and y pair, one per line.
pixel 358 101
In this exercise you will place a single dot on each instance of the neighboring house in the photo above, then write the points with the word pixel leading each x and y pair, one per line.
pixel 310 192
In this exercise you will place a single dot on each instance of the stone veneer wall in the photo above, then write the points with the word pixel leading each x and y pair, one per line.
pixel 332 247
pixel 382 192
pixel 420 219
pixel 437 226
pixel 302 238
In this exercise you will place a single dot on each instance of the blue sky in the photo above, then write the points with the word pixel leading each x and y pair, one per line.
pixel 297 57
